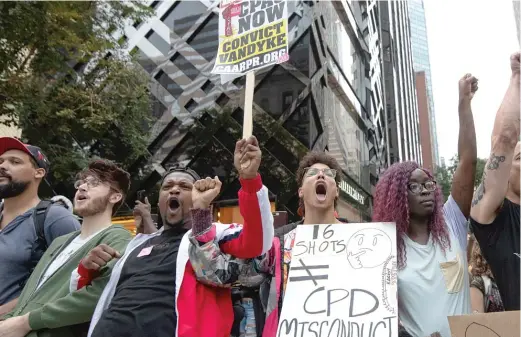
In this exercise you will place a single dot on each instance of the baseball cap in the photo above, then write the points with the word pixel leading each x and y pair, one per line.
pixel 9 143
pixel 186 170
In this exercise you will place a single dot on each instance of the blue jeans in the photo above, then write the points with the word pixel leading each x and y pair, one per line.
pixel 248 327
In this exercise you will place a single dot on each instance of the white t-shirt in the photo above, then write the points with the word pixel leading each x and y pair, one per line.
pixel 64 256
pixel 434 285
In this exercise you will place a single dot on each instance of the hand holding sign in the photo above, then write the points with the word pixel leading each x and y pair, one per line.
pixel 247 150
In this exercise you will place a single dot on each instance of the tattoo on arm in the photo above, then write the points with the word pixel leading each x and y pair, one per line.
pixel 494 161
pixel 480 191
pixel 493 164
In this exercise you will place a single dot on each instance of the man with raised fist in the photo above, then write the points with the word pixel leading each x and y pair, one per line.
pixel 153 290
pixel 494 216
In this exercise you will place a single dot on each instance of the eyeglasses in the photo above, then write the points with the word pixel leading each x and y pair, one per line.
pixel 91 183
pixel 313 171
pixel 417 188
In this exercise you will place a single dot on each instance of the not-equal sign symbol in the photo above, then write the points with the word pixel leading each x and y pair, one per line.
pixel 309 276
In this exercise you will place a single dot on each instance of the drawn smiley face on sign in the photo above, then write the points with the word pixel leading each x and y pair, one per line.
pixel 369 248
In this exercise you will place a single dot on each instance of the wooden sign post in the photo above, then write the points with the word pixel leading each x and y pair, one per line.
pixel 247 124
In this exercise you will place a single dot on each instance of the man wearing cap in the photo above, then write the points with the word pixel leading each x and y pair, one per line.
pixel 22 168
pixel 153 290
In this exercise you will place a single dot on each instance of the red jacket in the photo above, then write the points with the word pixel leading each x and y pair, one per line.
pixel 204 311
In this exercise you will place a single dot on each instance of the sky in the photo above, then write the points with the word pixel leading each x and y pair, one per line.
pixel 474 37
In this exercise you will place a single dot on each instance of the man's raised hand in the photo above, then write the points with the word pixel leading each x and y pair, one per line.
pixel 468 85
pixel 247 150
pixel 99 257
pixel 204 191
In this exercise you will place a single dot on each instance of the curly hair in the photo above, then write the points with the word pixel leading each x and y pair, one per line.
pixel 391 205
pixel 310 159
pixel 478 263
pixel 108 172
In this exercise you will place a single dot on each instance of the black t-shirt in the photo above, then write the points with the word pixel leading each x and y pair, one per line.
pixel 144 302
pixel 499 243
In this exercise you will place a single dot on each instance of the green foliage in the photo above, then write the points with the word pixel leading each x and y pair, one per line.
pixel 57 85
pixel 444 174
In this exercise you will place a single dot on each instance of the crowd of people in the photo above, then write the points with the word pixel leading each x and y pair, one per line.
pixel 194 277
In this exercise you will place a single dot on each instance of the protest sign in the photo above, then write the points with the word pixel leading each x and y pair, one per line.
pixel 496 324
pixel 252 35
pixel 342 282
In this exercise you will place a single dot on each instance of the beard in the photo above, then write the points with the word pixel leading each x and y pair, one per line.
pixel 92 207
pixel 13 189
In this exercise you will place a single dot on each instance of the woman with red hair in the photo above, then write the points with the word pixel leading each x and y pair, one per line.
pixel 431 236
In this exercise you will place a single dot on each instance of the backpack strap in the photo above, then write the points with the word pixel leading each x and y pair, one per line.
pixel 39 215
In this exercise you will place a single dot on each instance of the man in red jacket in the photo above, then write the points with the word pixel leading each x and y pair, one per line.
pixel 153 290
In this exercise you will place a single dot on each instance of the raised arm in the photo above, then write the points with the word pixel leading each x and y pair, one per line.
pixel 493 188
pixel 255 236
pixel 463 181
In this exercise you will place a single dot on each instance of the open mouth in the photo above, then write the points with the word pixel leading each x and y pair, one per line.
pixel 321 191
pixel 174 204
pixel 81 197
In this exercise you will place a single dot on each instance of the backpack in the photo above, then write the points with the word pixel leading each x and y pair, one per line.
pixel 39 215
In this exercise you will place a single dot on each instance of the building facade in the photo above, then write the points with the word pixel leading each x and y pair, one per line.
pixel 421 62
pixel 401 110
pixel 320 100
pixel 424 118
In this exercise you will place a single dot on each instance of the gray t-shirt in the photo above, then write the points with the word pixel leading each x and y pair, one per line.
pixel 17 240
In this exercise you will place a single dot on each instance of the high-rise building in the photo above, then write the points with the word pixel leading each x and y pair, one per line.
pixel 424 118
pixel 421 62
pixel 393 75
pixel 320 99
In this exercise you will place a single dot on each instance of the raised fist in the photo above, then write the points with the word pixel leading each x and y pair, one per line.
pixel 99 257
pixel 247 150
pixel 468 85
pixel 204 191
pixel 514 63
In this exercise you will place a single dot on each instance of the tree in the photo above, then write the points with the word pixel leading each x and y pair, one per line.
pixel 65 82
pixel 444 174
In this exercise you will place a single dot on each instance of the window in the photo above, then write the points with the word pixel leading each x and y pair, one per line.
pixel 287 99
pixel 205 40
pixel 144 60
pixel 183 15
pixel 158 42
pixel 185 66
pixel 173 88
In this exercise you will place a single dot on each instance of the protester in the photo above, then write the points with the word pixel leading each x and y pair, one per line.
pixel 318 176
pixel 495 207
pixel 52 304
pixel 431 236
pixel 484 293
pixel 28 225
pixel 153 290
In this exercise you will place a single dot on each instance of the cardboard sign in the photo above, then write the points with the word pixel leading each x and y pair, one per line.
pixel 252 35
pixel 342 281
pixel 496 324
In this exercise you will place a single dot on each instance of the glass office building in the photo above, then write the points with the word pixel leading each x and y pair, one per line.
pixel 321 100
pixel 421 62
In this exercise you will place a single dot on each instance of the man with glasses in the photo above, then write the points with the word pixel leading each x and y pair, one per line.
pixel 28 225
pixel 318 177
pixel 432 235
pixel 52 303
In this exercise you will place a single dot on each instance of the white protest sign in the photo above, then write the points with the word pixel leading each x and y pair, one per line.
pixel 342 282
pixel 252 35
